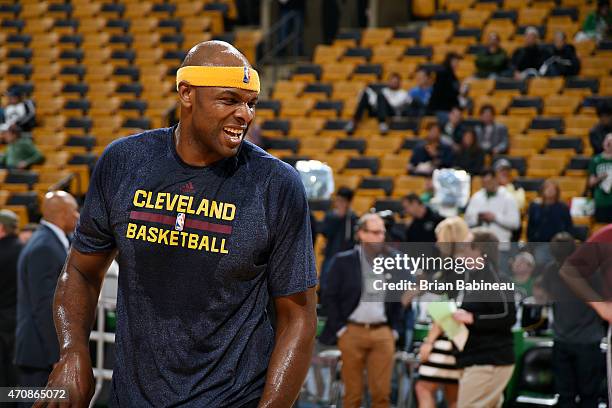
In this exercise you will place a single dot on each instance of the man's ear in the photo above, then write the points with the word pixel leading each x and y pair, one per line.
pixel 185 95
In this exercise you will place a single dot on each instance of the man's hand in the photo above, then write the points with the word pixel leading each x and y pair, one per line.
pixel 603 309
pixel 463 316
pixel 74 373
pixel 486 216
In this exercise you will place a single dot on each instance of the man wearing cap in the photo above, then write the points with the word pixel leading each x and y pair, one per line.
pixel 503 173
pixel 209 230
pixel 10 247
pixel 39 265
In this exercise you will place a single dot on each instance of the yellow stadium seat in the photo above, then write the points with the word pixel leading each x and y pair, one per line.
pixel 325 54
pixel 545 166
pixel 585 48
pixel 532 16
pixel 345 90
pixel 336 72
pixel 376 36
pixel 362 205
pixel 561 105
pixel 393 165
pixel 440 51
pixel 574 185
pixel 386 53
pixel 404 68
pixel 297 107
pixel 405 185
pixel 525 142
pixel 579 124
pixel 435 35
pixel 504 28
pixel 515 125
pixel 382 146
pixel 458 5
pixel 316 145
pixel 473 18
pixel 544 86
pixel 480 87
pixel 499 102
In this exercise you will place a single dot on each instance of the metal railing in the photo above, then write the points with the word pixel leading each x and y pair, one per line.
pixel 281 43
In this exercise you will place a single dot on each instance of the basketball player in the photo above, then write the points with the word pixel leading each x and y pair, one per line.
pixel 208 229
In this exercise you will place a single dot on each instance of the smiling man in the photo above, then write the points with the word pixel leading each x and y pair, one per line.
pixel 208 229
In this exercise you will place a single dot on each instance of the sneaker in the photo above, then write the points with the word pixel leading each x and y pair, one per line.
pixel 383 127
pixel 350 127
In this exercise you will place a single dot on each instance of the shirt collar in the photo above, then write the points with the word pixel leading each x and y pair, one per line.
pixel 58 232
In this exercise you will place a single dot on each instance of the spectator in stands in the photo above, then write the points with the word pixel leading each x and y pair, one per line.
pixel 364 327
pixel 18 111
pixel 338 226
pixel 424 220
pixel 493 208
pixel 39 267
pixel 21 151
pixel 447 88
pixel 597 24
pixel 431 154
pixel 578 363
pixel 503 172
pixel 600 130
pixel 453 128
pixel 488 356
pixel 10 248
pixel 390 101
pixel 563 61
pixel 470 156
pixel 527 60
pixel 492 136
pixel 494 60
pixel 600 179
pixel 548 215
pixel 523 267
pixel 26 232
pixel 420 94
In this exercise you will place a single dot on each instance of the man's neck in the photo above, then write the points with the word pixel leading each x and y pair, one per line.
pixel 191 150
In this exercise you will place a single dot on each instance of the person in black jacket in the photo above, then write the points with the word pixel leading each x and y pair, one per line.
pixel 39 267
pixel 598 133
pixel 470 156
pixel 446 88
pixel 548 215
pixel 424 220
pixel 563 60
pixel 338 227
pixel 361 320
pixel 487 358
pixel 10 247
pixel 527 60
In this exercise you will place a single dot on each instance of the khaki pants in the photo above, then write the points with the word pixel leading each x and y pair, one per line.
pixel 482 386
pixel 371 349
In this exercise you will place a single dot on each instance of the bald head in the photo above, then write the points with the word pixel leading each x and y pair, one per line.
pixel 61 209
pixel 215 54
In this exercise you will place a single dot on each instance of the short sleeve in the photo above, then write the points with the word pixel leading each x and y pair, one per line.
pixel 291 265
pixel 93 232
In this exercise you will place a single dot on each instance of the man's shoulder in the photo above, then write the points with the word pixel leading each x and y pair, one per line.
pixel 139 145
pixel 346 255
pixel 264 162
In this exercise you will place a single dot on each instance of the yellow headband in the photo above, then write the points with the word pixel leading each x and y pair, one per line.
pixel 230 77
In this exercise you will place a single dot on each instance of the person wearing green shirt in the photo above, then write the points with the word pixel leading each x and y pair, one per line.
pixel 600 179
pixel 20 152
pixel 597 24
pixel 494 60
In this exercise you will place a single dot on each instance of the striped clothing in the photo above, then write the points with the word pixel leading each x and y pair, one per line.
pixel 441 366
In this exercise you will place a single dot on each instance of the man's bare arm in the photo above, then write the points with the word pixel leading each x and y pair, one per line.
pixel 74 310
pixel 296 325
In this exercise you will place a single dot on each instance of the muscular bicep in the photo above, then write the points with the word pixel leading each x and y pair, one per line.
pixel 90 266
pixel 297 308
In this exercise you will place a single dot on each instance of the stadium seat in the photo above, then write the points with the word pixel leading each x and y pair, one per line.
pixel 374 186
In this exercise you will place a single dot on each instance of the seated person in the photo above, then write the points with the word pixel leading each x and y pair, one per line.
pixel 600 130
pixel 494 61
pixel 21 152
pixel 600 180
pixel 390 101
pixel 470 156
pixel 527 60
pixel 597 24
pixel 523 266
pixel 563 61
pixel 452 132
pixel 419 95
pixel 19 112
pixel 432 154
pixel 492 137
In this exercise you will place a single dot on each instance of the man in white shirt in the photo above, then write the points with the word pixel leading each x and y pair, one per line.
pixel 493 208
pixel 392 100
pixel 38 268
pixel 19 112
pixel 360 318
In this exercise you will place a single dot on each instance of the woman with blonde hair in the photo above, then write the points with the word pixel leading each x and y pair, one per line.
pixel 438 367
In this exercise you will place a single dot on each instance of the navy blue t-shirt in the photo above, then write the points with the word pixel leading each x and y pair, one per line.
pixel 201 252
